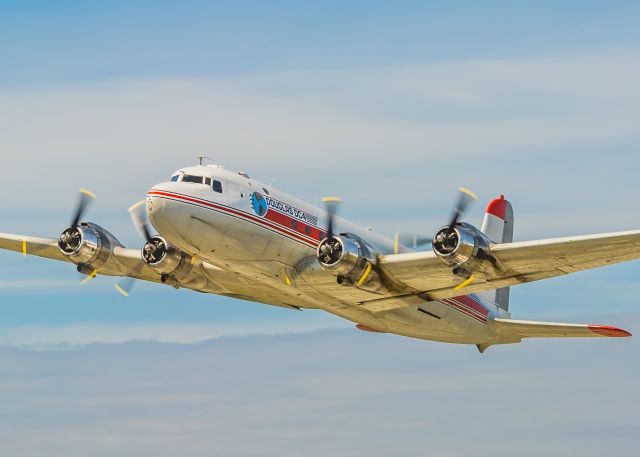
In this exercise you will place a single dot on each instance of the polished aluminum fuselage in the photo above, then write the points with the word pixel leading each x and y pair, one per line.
pixel 270 256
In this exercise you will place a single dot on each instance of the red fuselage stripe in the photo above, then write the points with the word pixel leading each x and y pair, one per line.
pixel 241 214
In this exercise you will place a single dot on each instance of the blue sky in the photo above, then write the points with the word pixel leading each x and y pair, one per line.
pixel 391 105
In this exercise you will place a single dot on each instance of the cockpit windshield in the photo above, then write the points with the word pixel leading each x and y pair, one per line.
pixel 196 179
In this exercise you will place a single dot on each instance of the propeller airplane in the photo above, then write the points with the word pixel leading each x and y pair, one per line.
pixel 216 231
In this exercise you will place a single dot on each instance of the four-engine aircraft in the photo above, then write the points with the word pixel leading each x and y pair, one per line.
pixel 216 231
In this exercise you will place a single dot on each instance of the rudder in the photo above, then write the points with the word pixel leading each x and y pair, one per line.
pixel 498 226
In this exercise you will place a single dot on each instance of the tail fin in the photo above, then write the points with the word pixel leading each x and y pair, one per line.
pixel 498 226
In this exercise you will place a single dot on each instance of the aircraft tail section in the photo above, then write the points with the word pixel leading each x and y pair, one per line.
pixel 498 226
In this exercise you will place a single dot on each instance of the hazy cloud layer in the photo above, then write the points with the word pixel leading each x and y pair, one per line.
pixel 402 138
pixel 337 392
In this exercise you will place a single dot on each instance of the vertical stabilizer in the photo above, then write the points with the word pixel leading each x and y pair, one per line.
pixel 498 226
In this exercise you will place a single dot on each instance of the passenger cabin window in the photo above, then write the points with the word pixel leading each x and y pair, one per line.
pixel 217 186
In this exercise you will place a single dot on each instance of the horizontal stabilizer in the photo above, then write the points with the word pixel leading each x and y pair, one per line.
pixel 509 328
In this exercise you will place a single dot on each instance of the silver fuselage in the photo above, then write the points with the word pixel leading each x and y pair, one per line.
pixel 267 241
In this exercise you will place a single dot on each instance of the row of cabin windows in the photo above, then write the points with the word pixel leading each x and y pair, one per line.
pixel 215 184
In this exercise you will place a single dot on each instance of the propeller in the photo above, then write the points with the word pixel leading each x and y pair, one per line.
pixel 331 205
pixel 86 197
pixel 331 248
pixel 465 198
pixel 449 241
pixel 139 218
pixel 71 237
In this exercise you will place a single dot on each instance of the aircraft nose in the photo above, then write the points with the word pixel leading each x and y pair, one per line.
pixel 156 207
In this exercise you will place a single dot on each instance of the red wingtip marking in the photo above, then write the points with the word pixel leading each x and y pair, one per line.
pixel 367 329
pixel 606 330
pixel 498 207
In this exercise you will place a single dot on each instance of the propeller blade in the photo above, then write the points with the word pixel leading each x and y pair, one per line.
pixel 465 198
pixel 89 276
pixel 86 196
pixel 125 285
pixel 139 217
pixel 464 284
pixel 331 205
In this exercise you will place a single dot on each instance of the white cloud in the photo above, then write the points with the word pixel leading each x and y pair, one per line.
pixel 336 392
pixel 53 337
pixel 447 121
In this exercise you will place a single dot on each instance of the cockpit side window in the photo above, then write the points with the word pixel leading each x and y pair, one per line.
pixel 217 186
pixel 193 179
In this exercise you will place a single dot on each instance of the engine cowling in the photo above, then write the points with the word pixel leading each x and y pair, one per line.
pixel 463 247
pixel 166 259
pixel 351 260
pixel 85 245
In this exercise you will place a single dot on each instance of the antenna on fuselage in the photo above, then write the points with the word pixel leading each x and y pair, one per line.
pixel 202 158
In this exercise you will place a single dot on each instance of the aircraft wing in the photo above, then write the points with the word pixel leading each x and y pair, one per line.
pixel 522 262
pixel 202 277
pixel 126 262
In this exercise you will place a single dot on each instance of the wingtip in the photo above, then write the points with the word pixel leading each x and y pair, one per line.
pixel 607 330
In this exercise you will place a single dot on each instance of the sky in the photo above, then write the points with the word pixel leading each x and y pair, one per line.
pixel 393 106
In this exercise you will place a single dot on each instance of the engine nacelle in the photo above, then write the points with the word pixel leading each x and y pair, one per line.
pixel 85 245
pixel 351 260
pixel 166 259
pixel 463 247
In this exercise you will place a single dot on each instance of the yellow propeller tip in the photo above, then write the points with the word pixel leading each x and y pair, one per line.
pixel 468 192
pixel 88 193
pixel 464 284
pixel 331 199
pixel 121 290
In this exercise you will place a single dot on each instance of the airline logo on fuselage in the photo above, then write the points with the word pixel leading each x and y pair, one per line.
pixel 261 203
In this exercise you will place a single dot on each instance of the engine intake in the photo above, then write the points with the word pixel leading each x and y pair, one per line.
pixel 351 260
pixel 85 245
pixel 165 258
pixel 462 246
pixel 340 255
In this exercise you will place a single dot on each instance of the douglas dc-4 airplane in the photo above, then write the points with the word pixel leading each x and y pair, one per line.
pixel 222 232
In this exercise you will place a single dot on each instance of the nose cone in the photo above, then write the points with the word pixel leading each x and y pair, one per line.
pixel 156 206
